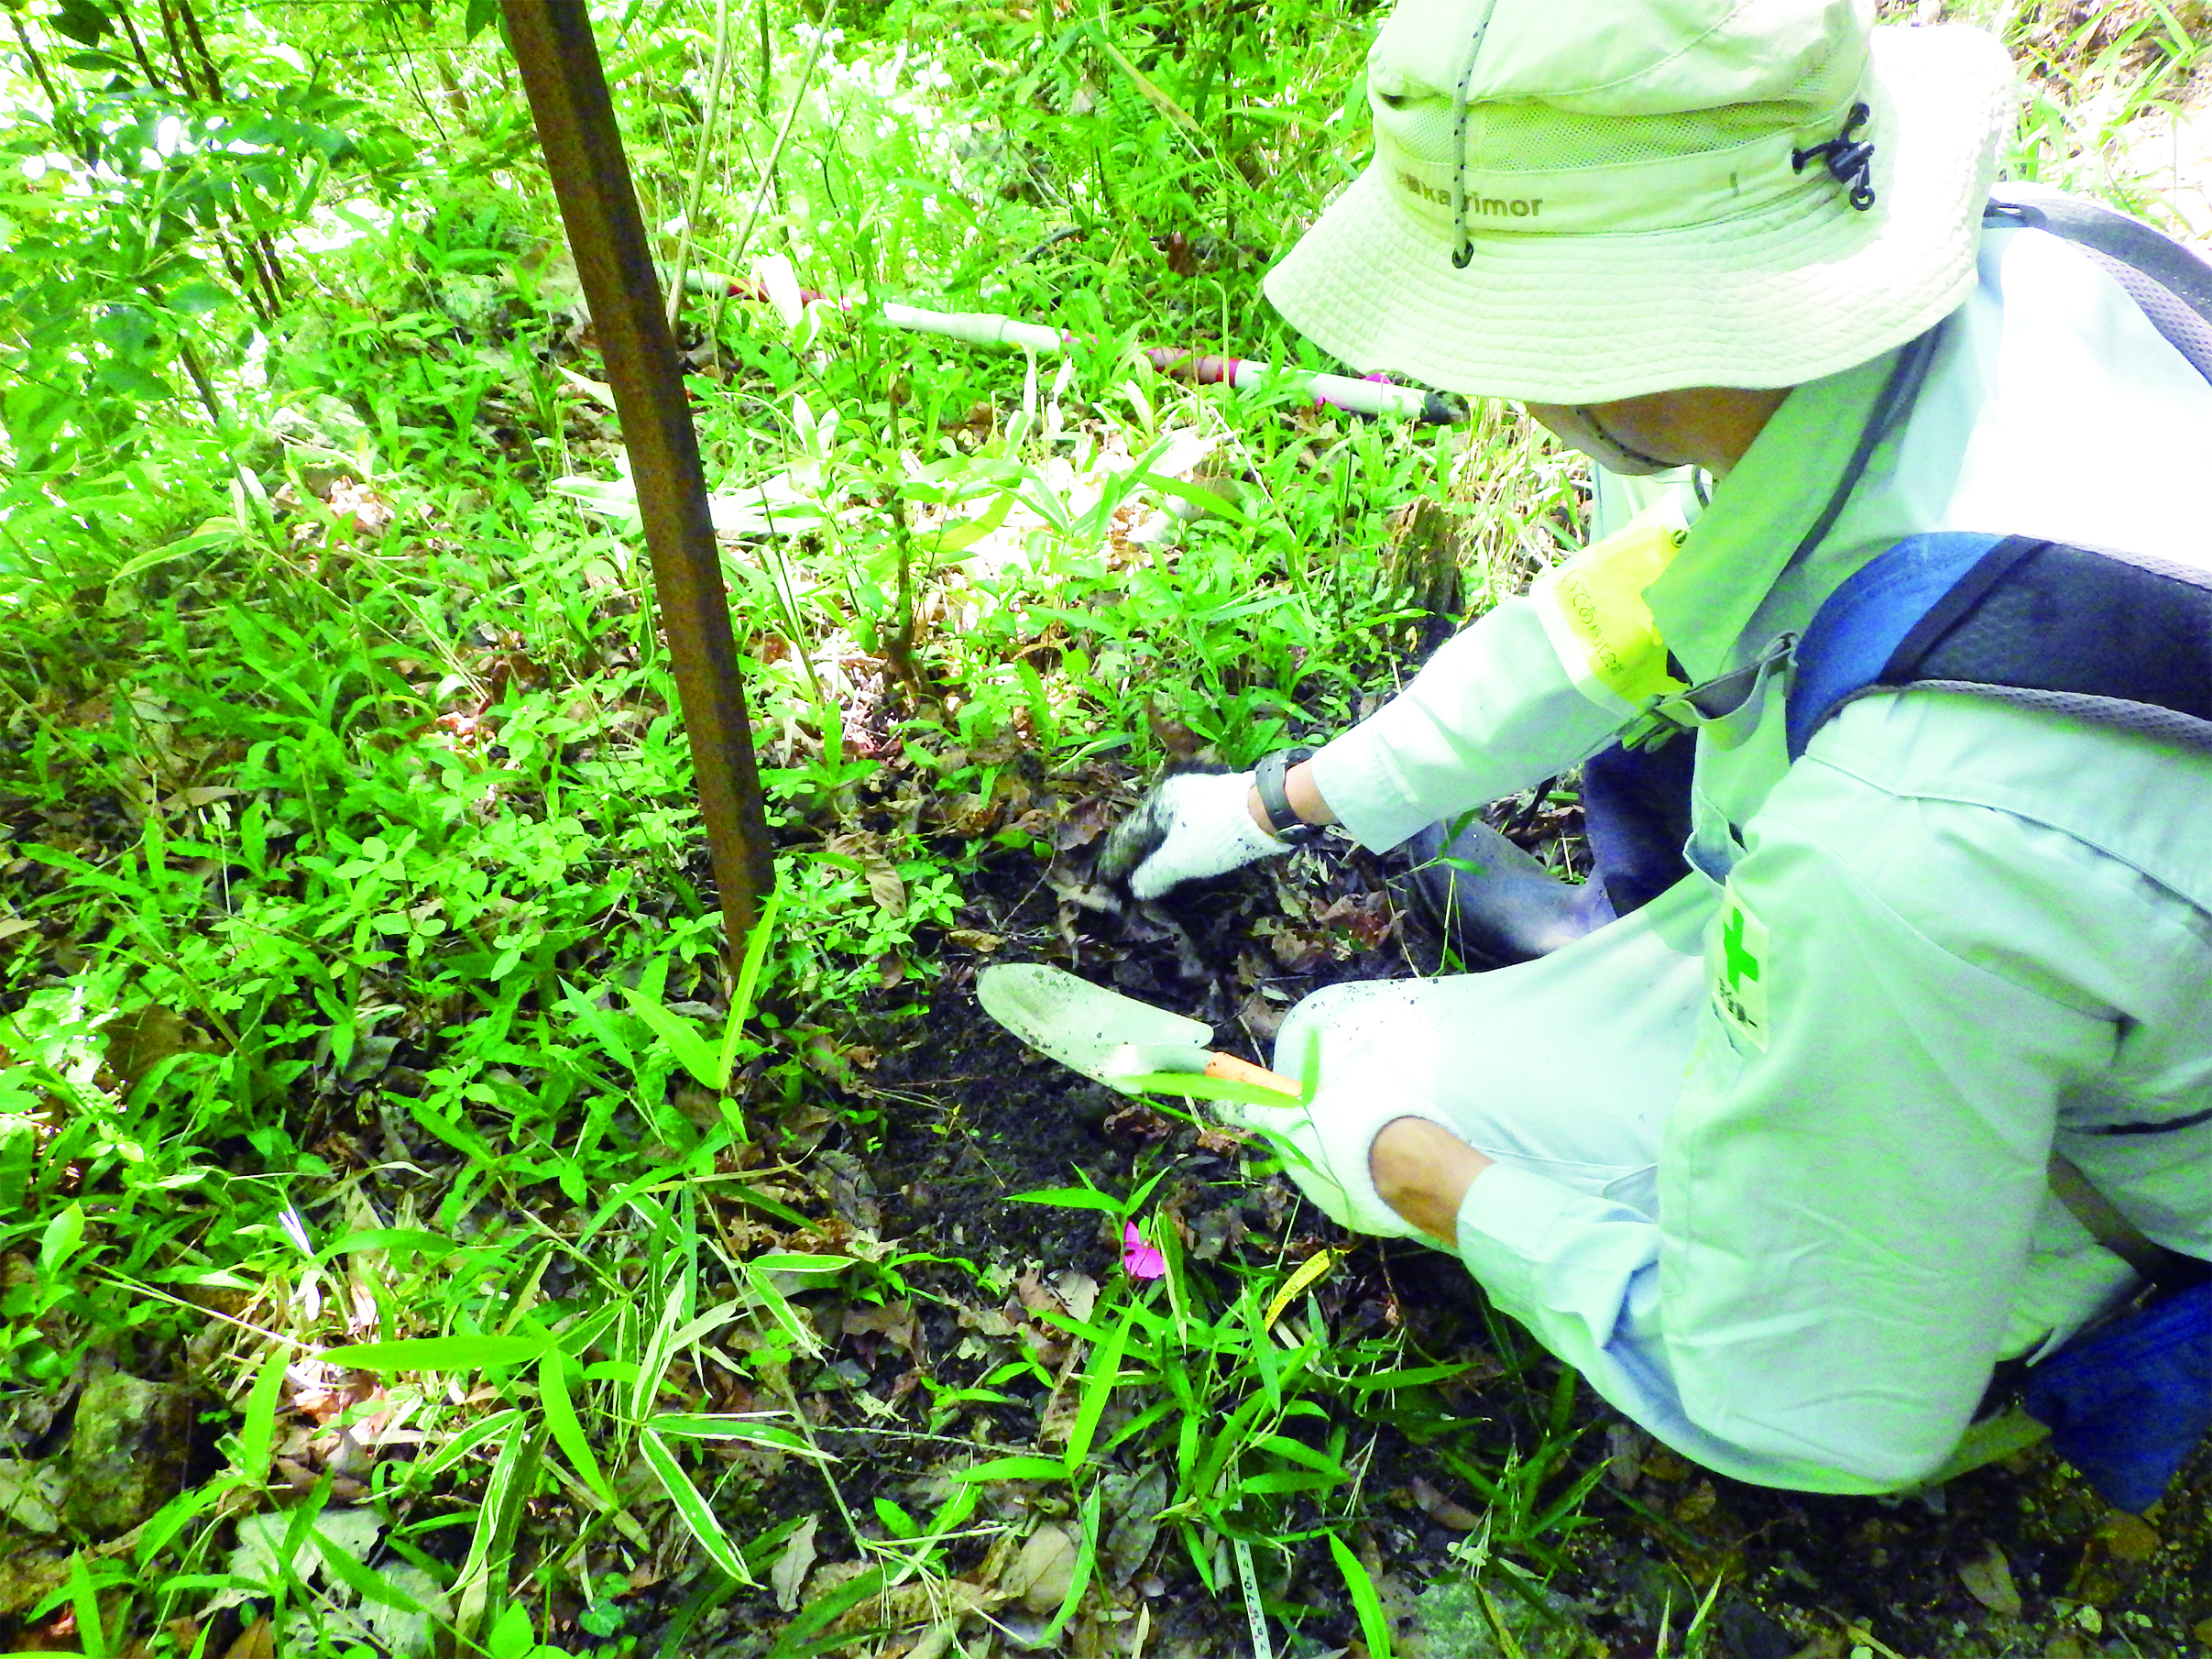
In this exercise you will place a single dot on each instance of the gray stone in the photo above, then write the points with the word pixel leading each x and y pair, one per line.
pixel 126 1451
pixel 1450 1622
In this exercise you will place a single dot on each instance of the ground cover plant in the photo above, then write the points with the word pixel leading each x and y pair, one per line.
pixel 418 1233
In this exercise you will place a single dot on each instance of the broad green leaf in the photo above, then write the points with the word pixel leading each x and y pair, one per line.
pixel 1097 1388
pixel 84 1599
pixel 1274 1484
pixel 480 1587
pixel 749 975
pixel 802 1262
pixel 58 1242
pixel 604 1032
pixel 362 1580
pixel 480 1433
pixel 795 1325
pixel 433 1247
pixel 1411 1376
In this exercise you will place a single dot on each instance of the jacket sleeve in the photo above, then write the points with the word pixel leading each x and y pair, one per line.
pixel 1493 711
pixel 1535 686
pixel 1851 1182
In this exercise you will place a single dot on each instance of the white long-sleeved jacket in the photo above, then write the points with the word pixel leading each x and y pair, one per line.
pixel 1953 935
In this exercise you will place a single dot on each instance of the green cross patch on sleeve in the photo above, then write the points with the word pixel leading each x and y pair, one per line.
pixel 1739 979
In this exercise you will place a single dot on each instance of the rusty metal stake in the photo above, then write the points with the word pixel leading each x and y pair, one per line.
pixel 575 120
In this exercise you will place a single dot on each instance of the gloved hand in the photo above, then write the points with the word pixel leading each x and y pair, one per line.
pixel 1326 1145
pixel 1192 825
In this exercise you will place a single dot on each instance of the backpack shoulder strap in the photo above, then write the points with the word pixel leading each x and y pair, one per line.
pixel 2169 284
pixel 2121 640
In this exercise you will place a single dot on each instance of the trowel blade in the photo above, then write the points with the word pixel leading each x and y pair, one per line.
pixel 1102 1033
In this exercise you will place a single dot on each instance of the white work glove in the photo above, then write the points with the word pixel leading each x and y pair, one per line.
pixel 1192 825
pixel 1326 1145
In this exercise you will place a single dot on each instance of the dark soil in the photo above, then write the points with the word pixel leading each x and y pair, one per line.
pixel 980 1117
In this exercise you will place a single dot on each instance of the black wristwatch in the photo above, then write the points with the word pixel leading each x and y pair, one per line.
pixel 1275 799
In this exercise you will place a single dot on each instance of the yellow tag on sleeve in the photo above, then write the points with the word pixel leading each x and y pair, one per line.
pixel 1593 611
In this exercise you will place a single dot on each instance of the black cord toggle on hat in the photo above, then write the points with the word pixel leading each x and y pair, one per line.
pixel 1848 162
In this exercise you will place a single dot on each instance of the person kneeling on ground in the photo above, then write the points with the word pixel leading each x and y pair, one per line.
pixel 1753 1130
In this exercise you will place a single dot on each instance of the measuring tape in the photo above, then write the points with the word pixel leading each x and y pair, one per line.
pixel 1263 1647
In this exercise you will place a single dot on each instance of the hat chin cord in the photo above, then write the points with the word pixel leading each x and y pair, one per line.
pixel 1651 462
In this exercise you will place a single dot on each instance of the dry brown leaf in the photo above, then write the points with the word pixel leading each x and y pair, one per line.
pixel 1989 1579
pixel 259 1640
pixel 1442 1509
pixel 1697 1503
pixel 885 888
pixel 1366 916
pixel 1078 1292
pixel 1042 1571
pixel 1082 824
pixel 1262 1018
pixel 884 884
pixel 789 1574
pixel 913 1604
pixel 893 1321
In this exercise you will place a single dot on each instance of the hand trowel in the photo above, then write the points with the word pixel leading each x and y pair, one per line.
pixel 1107 1037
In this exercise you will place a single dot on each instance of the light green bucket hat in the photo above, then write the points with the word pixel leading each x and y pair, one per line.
pixel 1573 201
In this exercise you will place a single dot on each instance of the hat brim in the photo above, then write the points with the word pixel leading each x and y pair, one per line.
pixel 1805 289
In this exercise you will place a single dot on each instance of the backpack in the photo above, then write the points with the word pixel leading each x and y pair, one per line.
pixel 2119 639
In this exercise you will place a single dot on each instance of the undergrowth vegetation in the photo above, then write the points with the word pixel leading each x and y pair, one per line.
pixel 381 1109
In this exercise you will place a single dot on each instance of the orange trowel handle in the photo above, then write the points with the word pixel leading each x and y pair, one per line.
pixel 1243 1071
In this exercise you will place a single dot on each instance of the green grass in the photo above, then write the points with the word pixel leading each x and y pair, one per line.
pixel 364 1022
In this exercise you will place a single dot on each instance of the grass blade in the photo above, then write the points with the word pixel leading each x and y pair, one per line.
pixel 691 1507
pixel 258 1439
pixel 1375 1625
pixel 696 1055
pixel 560 1409
pixel 1098 1387
pixel 441 1353
pixel 1087 1552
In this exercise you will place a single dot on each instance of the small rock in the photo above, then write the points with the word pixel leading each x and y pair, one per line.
pixel 126 1451
pixel 1989 1579
pixel 1451 1622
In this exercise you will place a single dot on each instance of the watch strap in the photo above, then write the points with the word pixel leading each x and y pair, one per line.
pixel 1274 798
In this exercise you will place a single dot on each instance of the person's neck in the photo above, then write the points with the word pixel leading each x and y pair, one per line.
pixel 1707 426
